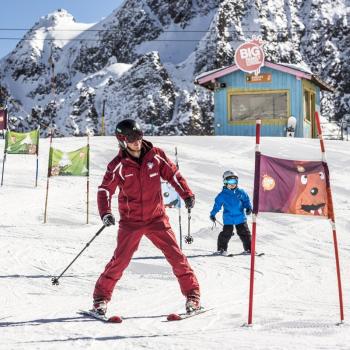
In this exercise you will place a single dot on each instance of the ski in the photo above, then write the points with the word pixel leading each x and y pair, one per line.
pixel 183 316
pixel 291 126
pixel 103 318
pixel 244 253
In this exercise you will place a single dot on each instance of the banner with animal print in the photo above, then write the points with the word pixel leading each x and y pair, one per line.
pixel 75 163
pixel 22 142
pixel 293 186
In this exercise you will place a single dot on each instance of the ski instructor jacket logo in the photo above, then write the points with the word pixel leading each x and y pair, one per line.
pixel 140 196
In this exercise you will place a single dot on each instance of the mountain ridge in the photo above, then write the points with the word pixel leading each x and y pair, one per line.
pixel 171 42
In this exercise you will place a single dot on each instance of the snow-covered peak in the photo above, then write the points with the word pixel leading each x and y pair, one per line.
pixel 58 27
pixel 56 18
pixel 111 61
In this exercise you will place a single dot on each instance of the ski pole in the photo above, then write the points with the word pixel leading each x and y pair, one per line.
pixel 220 223
pixel 54 280
pixel 189 238
pixel 214 224
pixel 180 228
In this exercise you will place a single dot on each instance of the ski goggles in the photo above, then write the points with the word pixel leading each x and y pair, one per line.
pixel 135 136
pixel 232 181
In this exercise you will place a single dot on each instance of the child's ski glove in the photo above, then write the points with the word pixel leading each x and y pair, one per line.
pixel 213 218
pixel 248 211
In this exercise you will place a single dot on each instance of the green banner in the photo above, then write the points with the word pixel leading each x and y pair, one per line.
pixel 22 142
pixel 75 163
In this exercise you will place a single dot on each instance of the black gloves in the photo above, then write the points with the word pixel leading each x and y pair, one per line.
pixel 108 219
pixel 213 218
pixel 248 211
pixel 189 202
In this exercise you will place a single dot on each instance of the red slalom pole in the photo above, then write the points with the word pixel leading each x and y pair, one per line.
pixel 255 214
pixel 331 216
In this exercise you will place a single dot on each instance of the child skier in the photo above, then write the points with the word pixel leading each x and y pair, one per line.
pixel 236 205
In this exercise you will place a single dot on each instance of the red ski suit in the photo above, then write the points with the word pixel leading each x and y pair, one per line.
pixel 142 212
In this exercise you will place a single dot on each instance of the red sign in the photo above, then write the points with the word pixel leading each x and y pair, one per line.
pixel 3 119
pixel 249 57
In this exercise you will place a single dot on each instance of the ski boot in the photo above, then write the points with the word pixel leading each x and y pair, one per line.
pixel 221 252
pixel 100 307
pixel 193 302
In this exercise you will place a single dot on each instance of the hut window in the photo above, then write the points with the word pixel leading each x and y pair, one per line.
pixel 250 106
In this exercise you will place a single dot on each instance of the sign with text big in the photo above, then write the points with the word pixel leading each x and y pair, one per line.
pixel 250 57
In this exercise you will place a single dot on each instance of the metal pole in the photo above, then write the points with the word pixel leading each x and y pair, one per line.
pixel 48 179
pixel 88 181
pixel 3 168
pixel 4 159
pixel 180 227
pixel 103 132
pixel 331 216
pixel 54 280
pixel 37 158
pixel 37 170
pixel 189 238
pixel 46 199
pixel 255 214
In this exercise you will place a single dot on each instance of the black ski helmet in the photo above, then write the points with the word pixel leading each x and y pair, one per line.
pixel 128 130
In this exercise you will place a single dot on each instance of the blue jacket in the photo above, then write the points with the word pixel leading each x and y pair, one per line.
pixel 234 203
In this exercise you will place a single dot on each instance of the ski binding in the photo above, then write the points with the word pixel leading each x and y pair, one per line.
pixel 103 318
pixel 183 316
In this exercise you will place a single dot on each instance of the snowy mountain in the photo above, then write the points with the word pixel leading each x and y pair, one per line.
pixel 296 303
pixel 142 60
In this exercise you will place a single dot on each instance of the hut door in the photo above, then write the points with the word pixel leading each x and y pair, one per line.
pixel 309 111
pixel 312 111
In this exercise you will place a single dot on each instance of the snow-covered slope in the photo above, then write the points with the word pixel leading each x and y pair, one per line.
pixel 296 301
pixel 179 39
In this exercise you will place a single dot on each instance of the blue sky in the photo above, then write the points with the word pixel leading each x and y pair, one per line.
pixel 24 13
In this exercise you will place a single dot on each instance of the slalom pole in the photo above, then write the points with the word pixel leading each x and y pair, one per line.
pixel 37 158
pixel 103 133
pixel 331 215
pixel 180 228
pixel 54 280
pixel 88 180
pixel 255 214
pixel 3 168
pixel 37 170
pixel 48 179
pixel 4 160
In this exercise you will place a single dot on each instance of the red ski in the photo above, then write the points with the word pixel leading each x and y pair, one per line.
pixel 103 318
pixel 183 316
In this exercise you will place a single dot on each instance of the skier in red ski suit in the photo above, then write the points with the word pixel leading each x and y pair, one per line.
pixel 137 170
